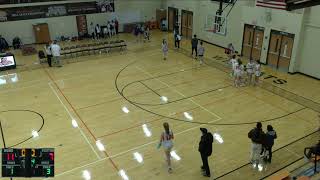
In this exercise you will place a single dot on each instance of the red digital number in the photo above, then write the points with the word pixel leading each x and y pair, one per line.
pixel 10 157
pixel 51 156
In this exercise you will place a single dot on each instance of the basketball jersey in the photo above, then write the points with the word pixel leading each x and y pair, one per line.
pixel 234 63
pixel 164 47
pixel 250 67
pixel 257 69
pixel 167 140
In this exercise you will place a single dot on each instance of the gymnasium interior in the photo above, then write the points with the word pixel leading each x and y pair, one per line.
pixel 98 111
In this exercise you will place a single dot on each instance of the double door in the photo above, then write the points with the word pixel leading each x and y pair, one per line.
pixel 172 18
pixel 280 50
pixel 252 42
pixel 186 23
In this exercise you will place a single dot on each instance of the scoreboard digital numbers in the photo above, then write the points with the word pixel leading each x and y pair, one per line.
pixel 28 162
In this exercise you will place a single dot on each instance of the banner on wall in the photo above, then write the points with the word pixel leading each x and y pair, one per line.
pixel 46 11
pixel 82 25
pixel 24 1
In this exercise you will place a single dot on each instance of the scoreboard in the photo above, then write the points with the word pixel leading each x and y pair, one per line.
pixel 28 162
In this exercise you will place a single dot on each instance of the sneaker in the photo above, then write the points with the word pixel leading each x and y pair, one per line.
pixel 206 175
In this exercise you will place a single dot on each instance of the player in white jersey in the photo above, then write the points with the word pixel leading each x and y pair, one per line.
pixel 257 72
pixel 166 140
pixel 234 62
pixel 250 70
pixel 165 49
pixel 242 78
pixel 237 75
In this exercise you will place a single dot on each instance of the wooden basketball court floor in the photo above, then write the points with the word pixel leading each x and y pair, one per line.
pixel 93 93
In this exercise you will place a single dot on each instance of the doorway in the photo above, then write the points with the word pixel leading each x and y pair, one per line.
pixel 172 18
pixel 186 23
pixel 252 42
pixel 280 50
pixel 42 34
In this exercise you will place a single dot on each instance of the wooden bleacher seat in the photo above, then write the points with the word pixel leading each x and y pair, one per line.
pixel 282 175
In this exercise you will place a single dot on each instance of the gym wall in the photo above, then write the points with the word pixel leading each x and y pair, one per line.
pixel 308 58
pixel 125 10
pixel 304 25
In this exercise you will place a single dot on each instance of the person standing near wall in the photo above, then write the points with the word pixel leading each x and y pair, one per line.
pixel 205 149
pixel 98 31
pixel 49 54
pixel 92 30
pixel 201 52
pixel 56 52
pixel 177 39
pixel 257 70
pixel 194 44
pixel 113 26
pixel 116 22
pixel 249 68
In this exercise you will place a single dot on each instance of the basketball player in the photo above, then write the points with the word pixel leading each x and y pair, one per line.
pixel 167 143
pixel 194 44
pixel 234 63
pixel 257 71
pixel 237 76
pixel 165 49
pixel 250 67
pixel 201 52
pixel 242 78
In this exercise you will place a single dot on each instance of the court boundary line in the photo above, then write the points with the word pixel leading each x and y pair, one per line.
pixel 72 118
pixel 77 114
pixel 284 146
pixel 126 151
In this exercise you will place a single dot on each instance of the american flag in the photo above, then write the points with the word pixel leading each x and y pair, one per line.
pixel 274 4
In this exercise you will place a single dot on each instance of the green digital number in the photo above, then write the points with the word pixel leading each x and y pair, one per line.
pixel 48 171
pixel 11 171
pixel 33 161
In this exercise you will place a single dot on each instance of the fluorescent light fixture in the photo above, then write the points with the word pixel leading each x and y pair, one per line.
pixel 125 110
pixel 3 80
pixel 146 131
pixel 218 137
pixel 100 146
pixel 175 156
pixel 260 167
pixel 86 175
pixel 74 123
pixel 137 156
pixel 164 99
pixel 35 134
pixel 254 165
pixel 188 116
pixel 123 175
pixel 13 77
